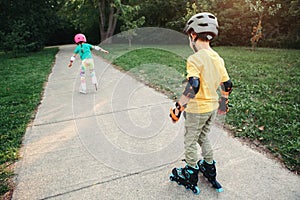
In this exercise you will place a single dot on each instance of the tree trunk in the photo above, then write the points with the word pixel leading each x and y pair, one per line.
pixel 106 35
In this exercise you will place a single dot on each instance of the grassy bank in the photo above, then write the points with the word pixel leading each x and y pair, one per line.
pixel 265 99
pixel 22 81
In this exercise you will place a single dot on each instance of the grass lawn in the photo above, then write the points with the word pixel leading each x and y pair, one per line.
pixel 22 81
pixel 265 99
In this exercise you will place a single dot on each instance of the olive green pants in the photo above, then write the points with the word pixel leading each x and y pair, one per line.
pixel 197 128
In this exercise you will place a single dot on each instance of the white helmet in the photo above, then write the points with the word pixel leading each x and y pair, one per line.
pixel 203 23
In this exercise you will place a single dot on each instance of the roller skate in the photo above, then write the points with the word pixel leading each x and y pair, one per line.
pixel 82 88
pixel 188 177
pixel 209 172
pixel 94 80
pixel 82 91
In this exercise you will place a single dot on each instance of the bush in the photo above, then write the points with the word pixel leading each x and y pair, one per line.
pixel 22 39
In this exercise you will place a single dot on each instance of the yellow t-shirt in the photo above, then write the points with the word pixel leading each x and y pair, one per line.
pixel 209 67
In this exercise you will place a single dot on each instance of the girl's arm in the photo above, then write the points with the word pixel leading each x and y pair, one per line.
pixel 97 48
pixel 72 60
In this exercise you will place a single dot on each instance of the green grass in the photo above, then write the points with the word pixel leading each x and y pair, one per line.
pixel 22 81
pixel 265 99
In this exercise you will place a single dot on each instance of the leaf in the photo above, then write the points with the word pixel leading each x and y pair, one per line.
pixel 261 128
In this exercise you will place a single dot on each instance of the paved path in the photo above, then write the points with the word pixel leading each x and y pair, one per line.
pixel 118 143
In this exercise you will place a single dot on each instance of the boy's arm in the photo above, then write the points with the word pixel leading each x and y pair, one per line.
pixel 190 92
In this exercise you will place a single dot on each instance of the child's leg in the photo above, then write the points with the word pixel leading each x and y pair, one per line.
pixel 207 166
pixel 82 78
pixel 92 72
pixel 203 141
pixel 193 127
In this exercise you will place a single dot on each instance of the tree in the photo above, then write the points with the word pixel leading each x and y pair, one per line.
pixel 285 32
pixel 234 22
pixel 261 8
pixel 162 13
pixel 198 6
pixel 87 15
pixel 129 26
pixel 108 22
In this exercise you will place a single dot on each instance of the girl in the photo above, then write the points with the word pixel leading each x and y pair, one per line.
pixel 84 51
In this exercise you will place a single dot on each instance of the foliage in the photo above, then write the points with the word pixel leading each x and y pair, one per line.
pixel 99 15
pixel 129 26
pixel 235 29
pixel 22 81
pixel 261 7
pixel 83 16
pixel 25 25
pixel 22 38
pixel 4 182
pixel 265 99
pixel 284 31
pixel 158 13
pixel 236 20
pixel 191 9
pixel 56 21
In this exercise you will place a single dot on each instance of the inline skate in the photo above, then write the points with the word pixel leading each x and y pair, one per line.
pixel 209 172
pixel 187 176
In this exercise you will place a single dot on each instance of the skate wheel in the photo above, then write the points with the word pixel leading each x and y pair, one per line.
pixel 179 183
pixel 172 177
pixel 196 190
pixel 220 190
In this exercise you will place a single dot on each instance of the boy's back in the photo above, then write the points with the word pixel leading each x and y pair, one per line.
pixel 209 67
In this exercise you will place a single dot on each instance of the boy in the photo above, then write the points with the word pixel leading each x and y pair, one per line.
pixel 205 73
pixel 84 50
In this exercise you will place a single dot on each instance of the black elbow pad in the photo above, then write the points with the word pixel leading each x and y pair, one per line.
pixel 192 87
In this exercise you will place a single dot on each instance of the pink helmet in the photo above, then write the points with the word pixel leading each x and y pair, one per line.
pixel 79 38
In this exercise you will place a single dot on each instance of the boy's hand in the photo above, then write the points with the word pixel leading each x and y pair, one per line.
pixel 176 112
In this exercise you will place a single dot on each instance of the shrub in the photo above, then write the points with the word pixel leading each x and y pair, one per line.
pixel 22 39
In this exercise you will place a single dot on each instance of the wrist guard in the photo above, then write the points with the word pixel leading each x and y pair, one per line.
pixel 72 59
pixel 223 106
pixel 173 116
